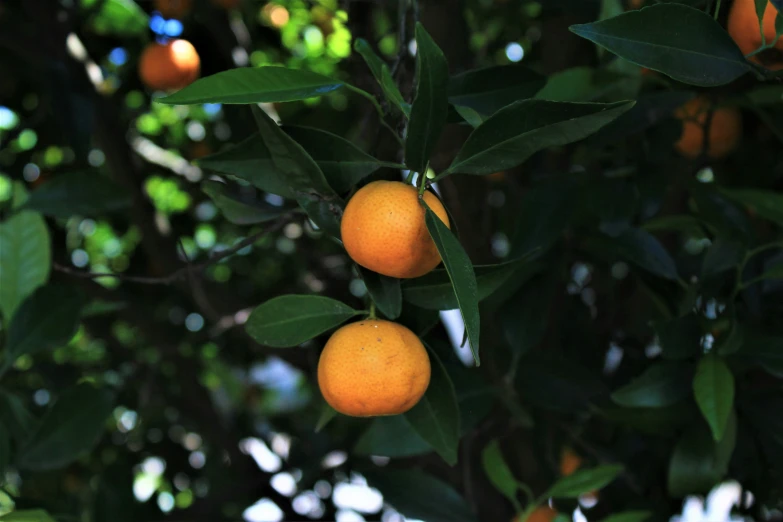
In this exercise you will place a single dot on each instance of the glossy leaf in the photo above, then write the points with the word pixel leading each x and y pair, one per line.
pixel 722 255
pixel 69 429
pixel 584 481
pixel 254 85
pixel 236 209
pixel 61 307
pixel 662 384
pixel 682 42
pixel 498 472
pixel 765 203
pixel 713 387
pixel 385 292
pixel 460 271
pixel 517 131
pixel 290 320
pixel 680 338
pixel 489 89
pixel 436 416
pixel 430 107
pixel 643 249
pixel 382 75
pixel 391 436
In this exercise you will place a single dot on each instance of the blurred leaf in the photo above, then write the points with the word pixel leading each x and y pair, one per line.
pixel 385 292
pixel 27 515
pixel 723 216
pixel 25 259
pixel 666 421
pixel 420 496
pixel 764 203
pixel 290 320
pixel 498 473
pixel 235 209
pixel 680 338
pixel 430 107
pixel 434 291
pixel 69 428
pixel 460 271
pixel 698 463
pixel 650 109
pixel 557 385
pixel 254 85
pixel 327 414
pixel 662 384
pixel 765 94
pixel 19 421
pixel 679 41
pixel 391 436
pixel 78 194
pixel 763 350
pixel 628 516
pixel 525 317
pixel 776 272
pixel 644 250
pixel 436 416
pixel 489 89
pixel 302 174
pixel 722 255
pixel 517 131
pixel 382 75
pixel 543 214
pixel 471 116
pixel 713 387
pixel 684 222
pixel 120 18
pixel 5 449
pixel 49 318
pixel 575 84
pixel 584 481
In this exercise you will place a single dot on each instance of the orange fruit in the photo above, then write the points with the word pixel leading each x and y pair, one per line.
pixel 635 4
pixel 744 28
pixel 541 514
pixel 383 229
pixel 725 129
pixel 569 462
pixel 373 367
pixel 169 66
pixel 173 8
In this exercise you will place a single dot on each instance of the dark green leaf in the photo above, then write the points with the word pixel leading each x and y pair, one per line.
pixel 558 385
pixel 497 471
pixel 764 203
pixel 763 350
pixel 525 316
pixel 78 194
pixel 290 320
pixel 722 215
pixel 517 131
pixel 679 41
pixel 662 384
pixel 393 437
pixel 722 255
pixel 765 95
pixel 430 107
pixel 584 481
pixel 5 448
pixel 489 89
pixel 460 271
pixel 776 272
pixel 680 338
pixel 650 109
pixel 436 416
pixel 713 387
pixel 761 6
pixel 628 516
pixel 382 75
pixel 327 414
pixel 254 85
pixel 304 177
pixel 237 209
pixel 27 515
pixel 59 305
pixel 385 291
pixel 643 249
pixel 684 222
pixel 543 214
pixel 69 429
pixel 654 421
pixel 16 417
pixel 433 501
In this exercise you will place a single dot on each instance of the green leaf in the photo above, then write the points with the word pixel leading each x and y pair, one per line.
pixel 764 350
pixel 722 255
pixel 436 416
pixel 498 473
pixel 543 214
pixel 433 501
pixel 434 291
pixel 489 89
pixel 460 271
pixel 382 75
pixel 254 85
pixel 61 307
pixel 78 194
pixel 680 338
pixel 327 414
pixel 584 481
pixel 5 449
pixel 680 41
pixel 559 385
pixel 721 215
pixel 765 203
pixel 761 6
pixel 290 320
pixel 516 132
pixel 69 429
pixel 27 515
pixel 662 384
pixel 683 222
pixel 644 250
pixel 16 417
pixel 776 272
pixel 237 209
pixel 25 259
pixel 713 387
pixel 667 421
pixel 384 290
pixel 471 116
pixel 628 516
pixel 119 18
pixel 304 177
pixel 430 107
pixel 391 436
pixel 698 463
pixel 765 94
pixel 525 316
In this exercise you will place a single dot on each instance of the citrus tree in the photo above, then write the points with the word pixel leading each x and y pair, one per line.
pixel 494 260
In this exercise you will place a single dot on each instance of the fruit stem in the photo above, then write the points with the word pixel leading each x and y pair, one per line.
pixel 372 309
pixel 423 179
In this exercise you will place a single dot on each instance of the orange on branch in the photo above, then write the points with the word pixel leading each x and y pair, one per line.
pixel 744 28
pixel 383 229
pixel 169 66
pixel 373 367
pixel 173 8
pixel 725 129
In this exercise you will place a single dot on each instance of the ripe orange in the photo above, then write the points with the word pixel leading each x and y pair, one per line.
pixel 725 129
pixel 373 367
pixel 744 28
pixel 173 8
pixel 383 229
pixel 541 514
pixel 569 462
pixel 169 66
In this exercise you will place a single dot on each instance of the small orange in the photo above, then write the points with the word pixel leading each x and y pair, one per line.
pixel 541 514
pixel 383 229
pixel 173 8
pixel 744 28
pixel 569 462
pixel 169 66
pixel 725 129
pixel 373 367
